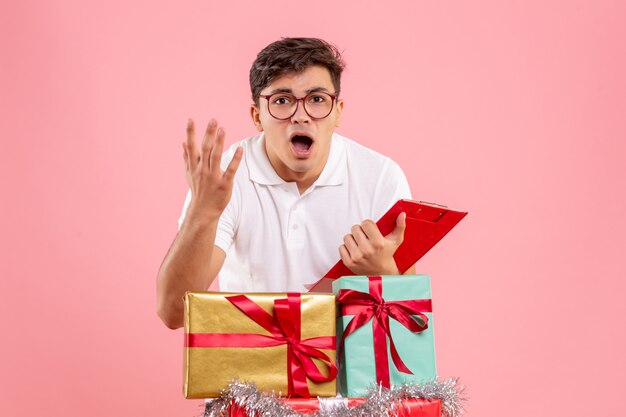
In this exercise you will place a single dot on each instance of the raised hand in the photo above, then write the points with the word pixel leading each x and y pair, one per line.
pixel 211 188
pixel 366 251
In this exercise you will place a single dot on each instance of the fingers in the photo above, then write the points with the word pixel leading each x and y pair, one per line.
pixel 208 143
pixel 397 235
pixel 370 240
pixel 358 234
pixel 210 155
pixel 233 165
pixel 350 244
pixel 371 230
pixel 366 251
pixel 216 150
pixel 345 255
pixel 365 239
pixel 190 145
pixel 185 156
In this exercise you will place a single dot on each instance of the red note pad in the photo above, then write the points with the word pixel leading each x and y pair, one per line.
pixel 426 224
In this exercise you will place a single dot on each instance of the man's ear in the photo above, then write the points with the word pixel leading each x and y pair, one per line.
pixel 256 117
pixel 339 110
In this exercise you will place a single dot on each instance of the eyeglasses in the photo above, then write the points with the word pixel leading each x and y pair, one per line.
pixel 317 105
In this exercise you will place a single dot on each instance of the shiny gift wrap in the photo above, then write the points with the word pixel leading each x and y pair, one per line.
pixel 430 399
pixel 335 407
pixel 281 342
pixel 386 329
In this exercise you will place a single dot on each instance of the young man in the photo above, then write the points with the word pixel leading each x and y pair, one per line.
pixel 277 210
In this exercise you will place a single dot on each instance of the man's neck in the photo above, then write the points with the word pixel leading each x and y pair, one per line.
pixel 304 180
pixel 305 185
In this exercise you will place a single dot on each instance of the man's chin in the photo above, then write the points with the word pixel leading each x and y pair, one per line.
pixel 302 166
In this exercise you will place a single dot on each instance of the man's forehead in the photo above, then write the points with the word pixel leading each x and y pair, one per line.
pixel 314 78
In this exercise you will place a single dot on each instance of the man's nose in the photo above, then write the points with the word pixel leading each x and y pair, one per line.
pixel 300 116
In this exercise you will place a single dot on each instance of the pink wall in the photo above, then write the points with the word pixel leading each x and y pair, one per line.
pixel 512 110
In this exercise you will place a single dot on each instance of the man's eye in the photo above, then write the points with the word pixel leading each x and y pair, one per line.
pixel 282 100
pixel 317 99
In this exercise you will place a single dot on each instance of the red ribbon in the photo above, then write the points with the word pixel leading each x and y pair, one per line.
pixel 366 306
pixel 285 328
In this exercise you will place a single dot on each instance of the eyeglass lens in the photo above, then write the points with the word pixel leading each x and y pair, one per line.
pixel 318 105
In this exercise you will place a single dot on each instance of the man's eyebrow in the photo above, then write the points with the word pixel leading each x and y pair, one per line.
pixel 317 89
pixel 281 90
pixel 290 91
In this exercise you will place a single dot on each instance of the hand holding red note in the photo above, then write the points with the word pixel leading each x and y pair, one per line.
pixel 366 251
pixel 426 224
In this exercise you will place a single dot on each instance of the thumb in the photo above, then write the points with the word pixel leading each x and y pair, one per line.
pixel 397 235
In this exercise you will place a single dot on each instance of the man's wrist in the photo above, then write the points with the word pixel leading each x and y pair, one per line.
pixel 393 269
pixel 197 217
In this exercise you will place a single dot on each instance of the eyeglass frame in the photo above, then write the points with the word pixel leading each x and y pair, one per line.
pixel 332 96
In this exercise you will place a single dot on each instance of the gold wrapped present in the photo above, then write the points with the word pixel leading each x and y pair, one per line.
pixel 282 342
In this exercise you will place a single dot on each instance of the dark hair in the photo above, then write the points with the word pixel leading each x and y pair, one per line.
pixel 294 55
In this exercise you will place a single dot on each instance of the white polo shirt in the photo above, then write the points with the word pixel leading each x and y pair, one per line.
pixel 277 239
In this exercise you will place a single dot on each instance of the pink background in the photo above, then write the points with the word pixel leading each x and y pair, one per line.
pixel 514 111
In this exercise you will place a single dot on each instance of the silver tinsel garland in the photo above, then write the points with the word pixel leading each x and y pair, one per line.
pixel 380 402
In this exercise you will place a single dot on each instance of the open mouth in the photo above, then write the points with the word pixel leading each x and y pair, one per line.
pixel 301 144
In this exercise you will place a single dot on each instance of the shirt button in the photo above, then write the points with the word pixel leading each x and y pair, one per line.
pixel 295 227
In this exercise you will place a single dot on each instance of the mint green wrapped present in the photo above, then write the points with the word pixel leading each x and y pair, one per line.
pixel 386 325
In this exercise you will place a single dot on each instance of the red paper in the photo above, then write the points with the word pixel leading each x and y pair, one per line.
pixel 426 224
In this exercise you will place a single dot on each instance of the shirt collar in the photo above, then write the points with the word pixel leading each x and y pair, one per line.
pixel 262 172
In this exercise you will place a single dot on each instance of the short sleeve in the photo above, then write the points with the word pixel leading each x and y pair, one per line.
pixel 226 226
pixel 183 214
pixel 392 186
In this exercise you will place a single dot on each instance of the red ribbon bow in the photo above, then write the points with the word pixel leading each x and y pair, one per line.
pixel 366 306
pixel 285 328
